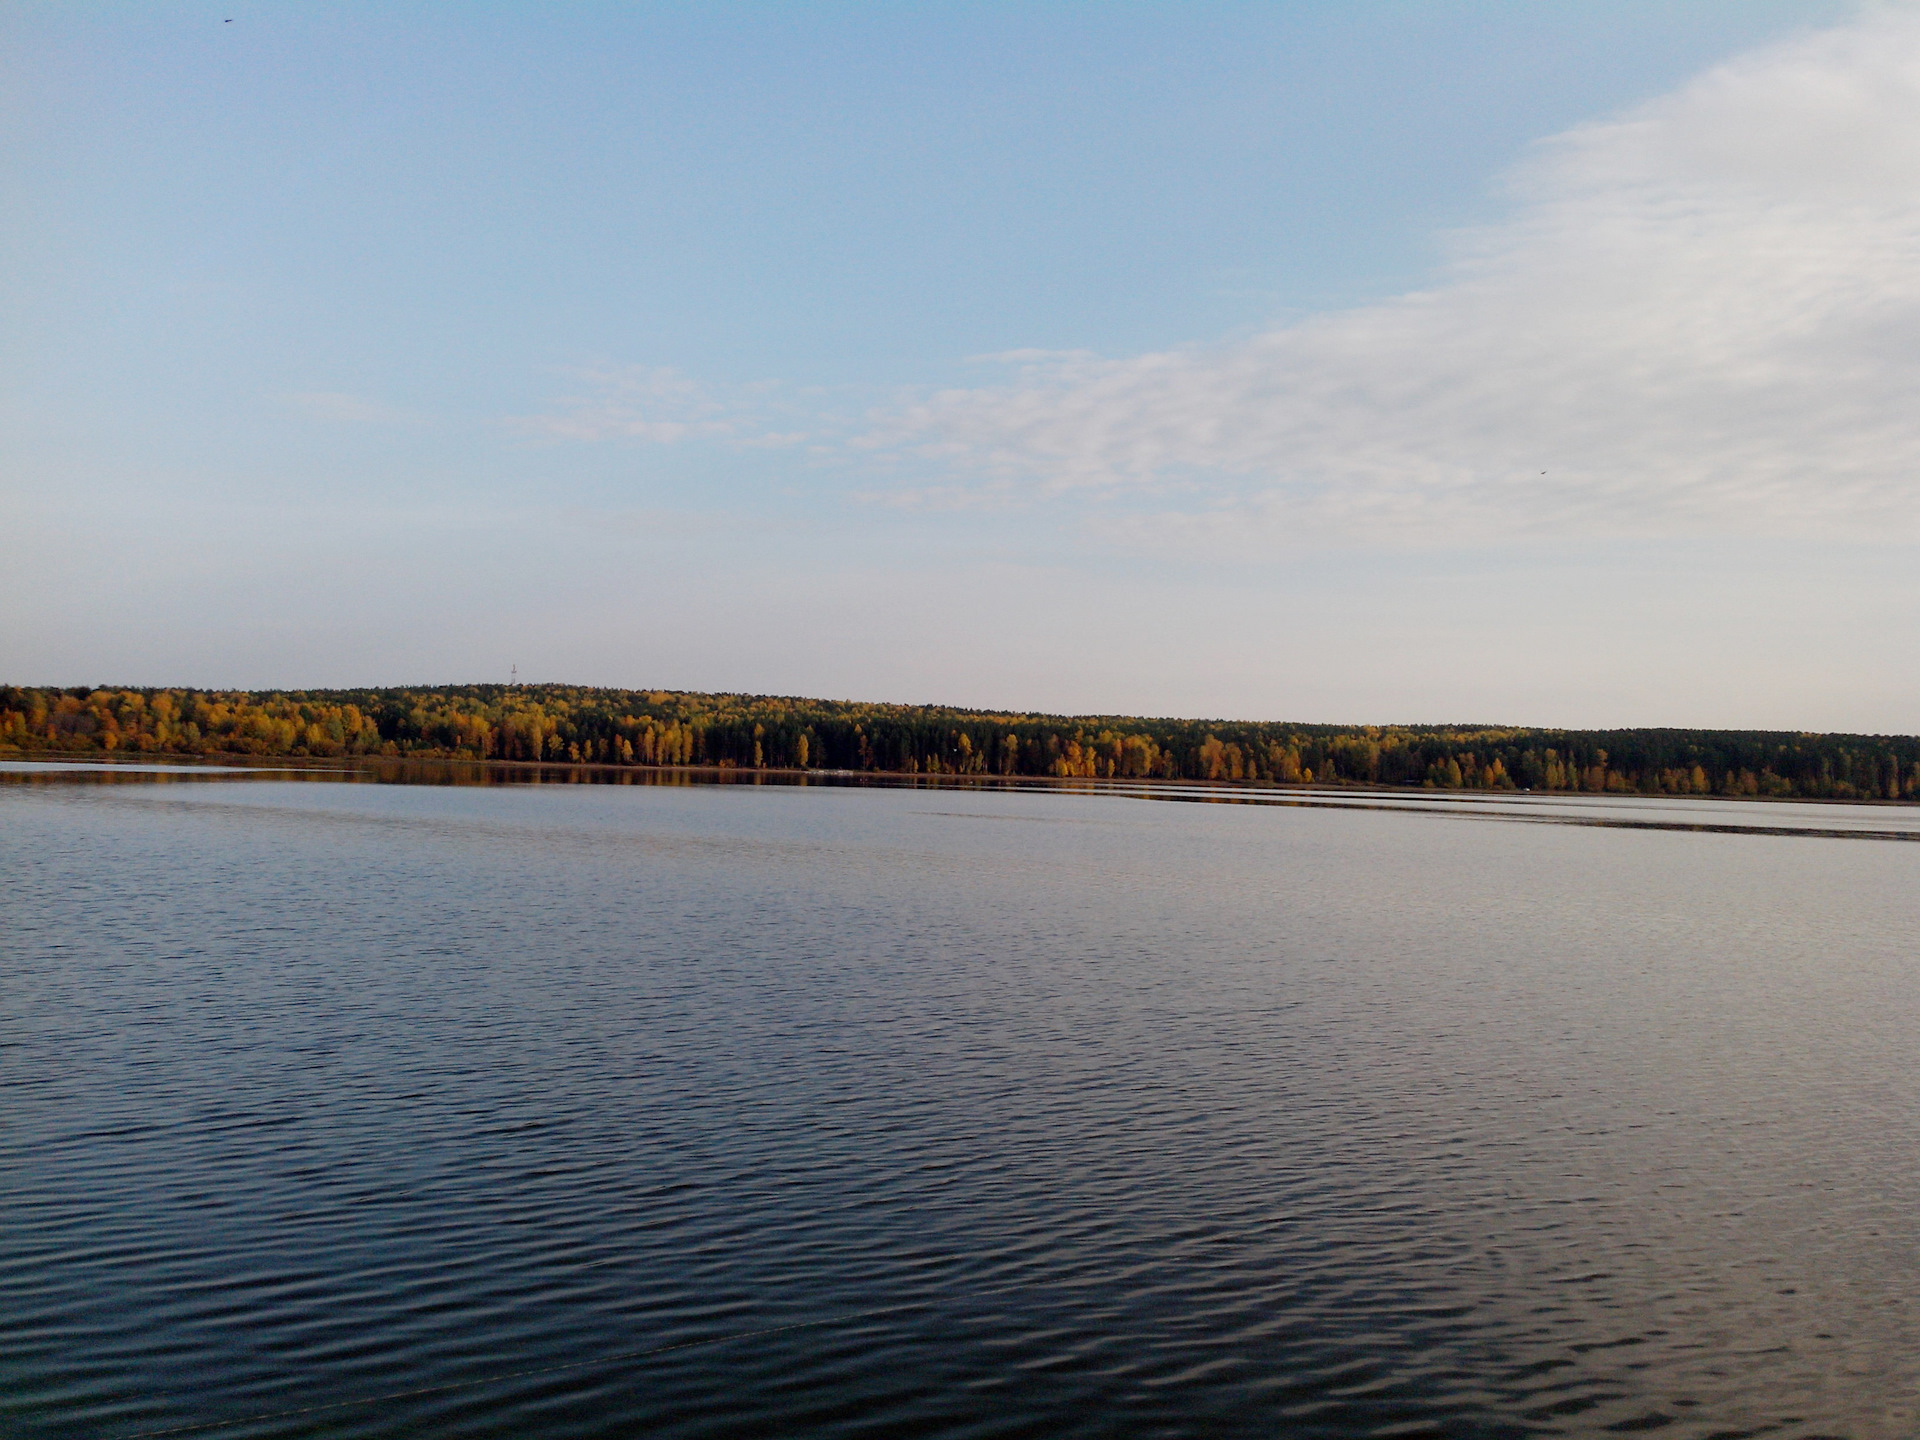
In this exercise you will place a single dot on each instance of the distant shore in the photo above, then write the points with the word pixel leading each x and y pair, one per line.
pixel 635 730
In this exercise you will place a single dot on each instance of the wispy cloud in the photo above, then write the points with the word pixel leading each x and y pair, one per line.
pixel 1701 316
pixel 660 405
pixel 632 402
pixel 345 409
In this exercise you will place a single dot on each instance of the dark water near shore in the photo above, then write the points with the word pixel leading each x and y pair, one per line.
pixel 539 1110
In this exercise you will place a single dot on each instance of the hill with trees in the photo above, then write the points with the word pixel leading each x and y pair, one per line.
pixel 581 725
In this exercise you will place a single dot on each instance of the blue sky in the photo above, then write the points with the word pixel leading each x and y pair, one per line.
pixel 1512 362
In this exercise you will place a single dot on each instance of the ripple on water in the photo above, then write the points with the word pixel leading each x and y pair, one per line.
pixel 377 1111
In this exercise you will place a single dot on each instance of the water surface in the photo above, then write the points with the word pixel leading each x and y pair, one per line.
pixel 342 1109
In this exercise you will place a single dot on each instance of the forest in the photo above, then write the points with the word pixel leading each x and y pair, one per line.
pixel 580 725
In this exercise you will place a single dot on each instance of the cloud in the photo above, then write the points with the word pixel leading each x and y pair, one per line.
pixel 345 409
pixel 633 402
pixel 1700 316
pixel 660 405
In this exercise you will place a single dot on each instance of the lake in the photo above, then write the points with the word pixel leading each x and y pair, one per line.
pixel 579 1110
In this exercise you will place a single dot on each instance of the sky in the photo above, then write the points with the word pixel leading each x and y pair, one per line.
pixel 1517 363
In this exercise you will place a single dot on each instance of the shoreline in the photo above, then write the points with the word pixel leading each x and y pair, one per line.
pixel 742 774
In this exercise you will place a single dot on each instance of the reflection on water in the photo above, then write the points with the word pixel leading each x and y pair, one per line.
pixel 1867 821
pixel 567 1109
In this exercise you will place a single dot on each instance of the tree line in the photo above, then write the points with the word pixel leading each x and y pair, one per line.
pixel 590 726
